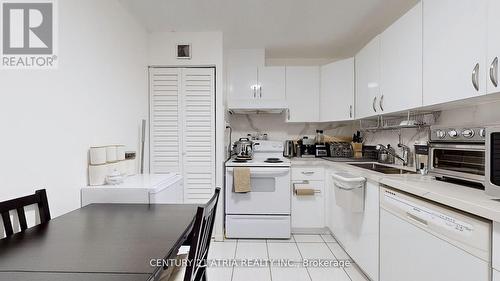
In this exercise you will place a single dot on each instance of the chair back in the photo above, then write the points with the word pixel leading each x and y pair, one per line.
pixel 200 243
pixel 18 204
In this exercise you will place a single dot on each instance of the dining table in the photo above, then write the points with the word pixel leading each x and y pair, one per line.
pixel 99 242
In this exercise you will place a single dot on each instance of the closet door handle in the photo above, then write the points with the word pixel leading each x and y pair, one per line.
pixel 373 104
pixel 494 72
pixel 475 77
pixel 381 103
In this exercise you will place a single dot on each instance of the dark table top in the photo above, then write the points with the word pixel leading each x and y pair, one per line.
pixel 52 276
pixel 100 238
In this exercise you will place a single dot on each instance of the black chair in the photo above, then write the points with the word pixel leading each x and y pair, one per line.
pixel 200 243
pixel 39 198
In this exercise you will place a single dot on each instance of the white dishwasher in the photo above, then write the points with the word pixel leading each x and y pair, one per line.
pixel 421 240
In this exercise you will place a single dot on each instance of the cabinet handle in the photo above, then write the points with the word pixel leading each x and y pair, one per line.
pixel 307 173
pixel 494 72
pixel 475 77
pixel 288 114
pixel 381 102
pixel 254 92
pixel 260 91
pixel 350 111
pixel 373 104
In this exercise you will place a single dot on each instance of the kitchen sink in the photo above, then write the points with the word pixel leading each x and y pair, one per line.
pixel 382 168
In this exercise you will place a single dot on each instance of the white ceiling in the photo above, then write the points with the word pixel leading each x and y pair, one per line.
pixel 285 28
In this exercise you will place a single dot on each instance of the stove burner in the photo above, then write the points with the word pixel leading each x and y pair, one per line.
pixel 236 160
pixel 273 160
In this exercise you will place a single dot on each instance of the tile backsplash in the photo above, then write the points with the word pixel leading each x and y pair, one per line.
pixel 277 128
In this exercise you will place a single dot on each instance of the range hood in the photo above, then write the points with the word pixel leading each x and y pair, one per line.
pixel 258 107
pixel 256 111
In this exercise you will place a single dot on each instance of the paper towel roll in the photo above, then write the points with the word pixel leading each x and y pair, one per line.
pixel 304 191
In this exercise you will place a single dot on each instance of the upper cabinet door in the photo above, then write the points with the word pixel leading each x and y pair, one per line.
pixel 242 84
pixel 455 38
pixel 401 63
pixel 302 93
pixel 337 91
pixel 368 79
pixel 271 83
pixel 493 46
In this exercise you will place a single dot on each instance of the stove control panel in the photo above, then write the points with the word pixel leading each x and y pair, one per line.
pixel 457 134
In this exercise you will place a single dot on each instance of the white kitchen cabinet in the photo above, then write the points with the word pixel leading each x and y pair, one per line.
pixel 182 128
pixel 496 246
pixel 358 232
pixel 493 46
pixel 308 211
pixel 368 79
pixel 242 83
pixel 252 87
pixel 271 83
pixel 496 275
pixel 454 50
pixel 401 63
pixel 302 93
pixel 337 91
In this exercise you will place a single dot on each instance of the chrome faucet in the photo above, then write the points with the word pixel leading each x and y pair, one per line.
pixel 406 153
pixel 405 157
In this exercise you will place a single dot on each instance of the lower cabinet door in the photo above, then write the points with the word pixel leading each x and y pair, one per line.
pixel 308 211
pixel 358 232
pixel 496 275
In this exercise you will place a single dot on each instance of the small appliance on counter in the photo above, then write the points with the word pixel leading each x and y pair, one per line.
pixel 243 148
pixel 307 147
pixel 422 157
pixel 458 154
pixel 289 149
pixel 341 150
pixel 321 150
pixel 492 179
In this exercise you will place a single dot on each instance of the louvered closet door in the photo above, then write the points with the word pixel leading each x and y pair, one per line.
pixel 198 119
pixel 165 121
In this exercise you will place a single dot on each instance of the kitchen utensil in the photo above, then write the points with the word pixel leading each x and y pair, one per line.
pixel 244 148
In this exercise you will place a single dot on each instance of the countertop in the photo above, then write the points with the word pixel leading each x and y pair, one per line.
pixel 473 201
pixel 153 182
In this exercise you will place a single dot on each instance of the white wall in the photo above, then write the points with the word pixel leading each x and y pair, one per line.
pixel 98 95
pixel 206 50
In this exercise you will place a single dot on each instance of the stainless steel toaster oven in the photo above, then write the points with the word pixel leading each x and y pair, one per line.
pixel 458 153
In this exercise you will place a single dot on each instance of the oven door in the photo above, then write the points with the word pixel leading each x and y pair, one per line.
pixel 460 161
pixel 270 192
pixel 492 180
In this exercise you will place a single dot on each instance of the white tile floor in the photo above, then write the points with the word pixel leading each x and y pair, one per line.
pixel 296 249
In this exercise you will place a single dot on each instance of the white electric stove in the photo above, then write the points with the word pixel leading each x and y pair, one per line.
pixel 264 212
